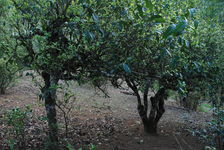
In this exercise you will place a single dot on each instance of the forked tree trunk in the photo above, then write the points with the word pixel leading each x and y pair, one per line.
pixel 150 121
pixel 49 95
pixel 156 112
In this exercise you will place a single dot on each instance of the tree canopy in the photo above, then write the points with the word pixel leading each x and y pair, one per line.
pixel 140 42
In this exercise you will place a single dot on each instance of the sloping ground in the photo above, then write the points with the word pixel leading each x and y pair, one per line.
pixel 110 123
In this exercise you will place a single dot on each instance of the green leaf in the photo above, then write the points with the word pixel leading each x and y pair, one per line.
pixel 92 147
pixel 95 17
pixel 180 27
pixel 126 68
pixel 91 35
pixel 11 144
pixel 168 52
pixel 196 23
pixel 187 43
pixel 180 40
pixel 169 31
pixel 139 7
pixel 192 11
pixel 158 19
pixel 70 147
pixel 149 5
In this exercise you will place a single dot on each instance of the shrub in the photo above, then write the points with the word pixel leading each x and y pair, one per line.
pixel 217 128
pixel 214 133
pixel 7 74
pixel 17 119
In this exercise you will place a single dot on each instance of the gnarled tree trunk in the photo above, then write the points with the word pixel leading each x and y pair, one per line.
pixel 150 121
pixel 156 112
pixel 49 95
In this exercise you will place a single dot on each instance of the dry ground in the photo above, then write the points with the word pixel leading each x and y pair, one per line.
pixel 109 123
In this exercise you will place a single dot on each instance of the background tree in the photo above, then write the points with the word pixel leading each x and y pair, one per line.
pixel 8 68
pixel 173 56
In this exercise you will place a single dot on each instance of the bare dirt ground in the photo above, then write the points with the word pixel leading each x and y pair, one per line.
pixel 109 123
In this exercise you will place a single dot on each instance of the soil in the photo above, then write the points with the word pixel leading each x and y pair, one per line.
pixel 107 123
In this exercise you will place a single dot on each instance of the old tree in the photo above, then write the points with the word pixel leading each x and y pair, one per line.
pixel 61 40
pixel 139 43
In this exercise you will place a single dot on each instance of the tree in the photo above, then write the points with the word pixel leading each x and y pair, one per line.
pixel 8 69
pixel 147 52
pixel 61 40
pixel 141 42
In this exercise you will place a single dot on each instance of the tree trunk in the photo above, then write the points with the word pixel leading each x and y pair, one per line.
pixel 156 112
pixel 191 101
pixel 150 127
pixel 219 142
pixel 49 95
pixel 157 106
pixel 2 90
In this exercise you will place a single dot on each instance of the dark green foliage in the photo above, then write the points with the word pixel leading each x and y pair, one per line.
pixel 8 74
pixel 176 44
pixel 17 120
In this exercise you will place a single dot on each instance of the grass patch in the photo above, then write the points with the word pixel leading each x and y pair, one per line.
pixel 204 107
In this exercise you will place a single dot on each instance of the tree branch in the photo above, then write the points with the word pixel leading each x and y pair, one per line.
pixel 145 95
pixel 134 88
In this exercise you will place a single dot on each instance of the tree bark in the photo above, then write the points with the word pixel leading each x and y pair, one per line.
pixel 156 112
pixel 157 106
pixel 150 127
pixel 49 95
pixel 191 101
pixel 2 91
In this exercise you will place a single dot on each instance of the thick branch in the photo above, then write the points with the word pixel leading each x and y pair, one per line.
pixel 145 97
pixel 134 88
pixel 157 103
